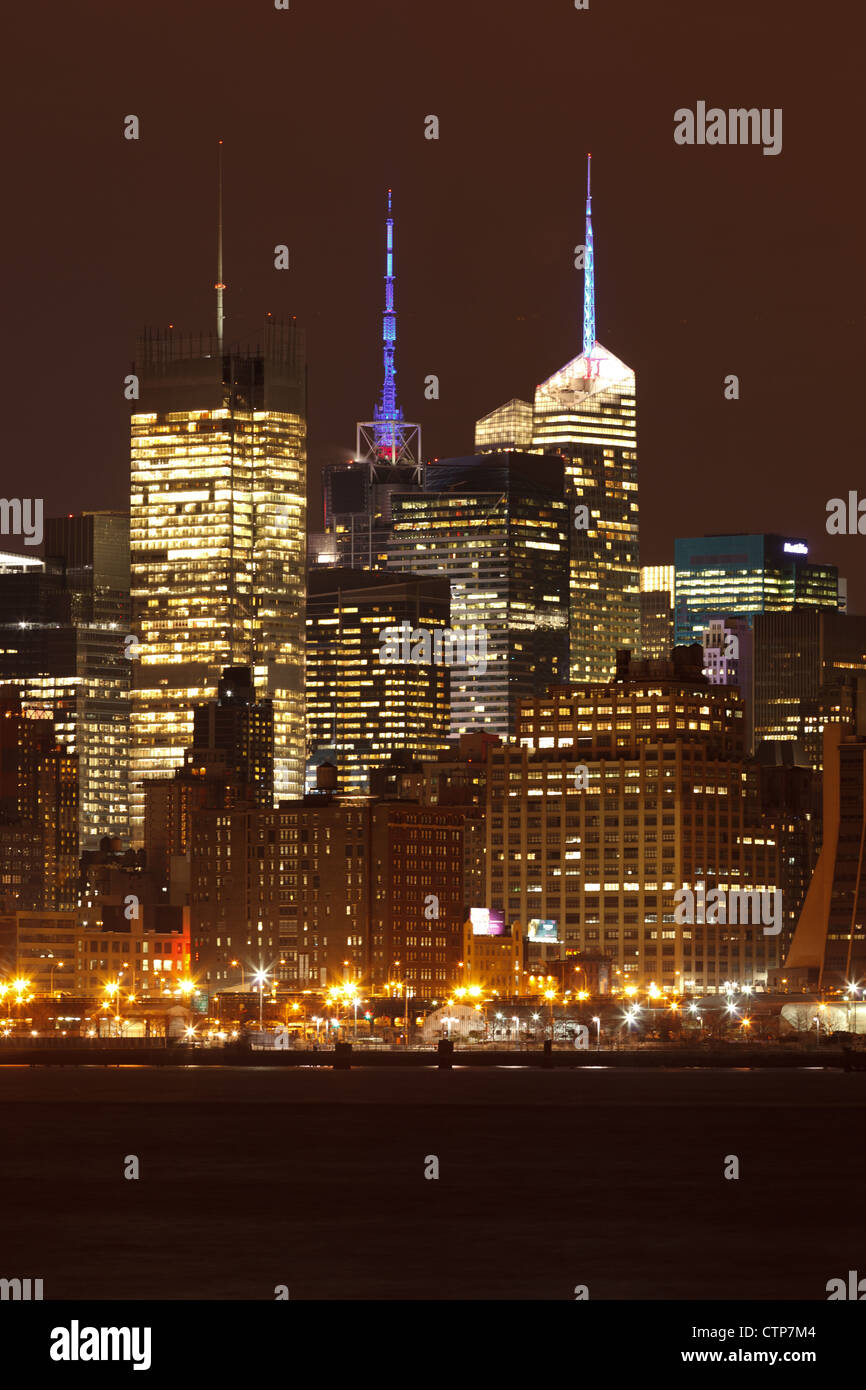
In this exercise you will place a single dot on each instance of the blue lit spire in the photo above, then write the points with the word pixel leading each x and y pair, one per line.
pixel 588 274
pixel 388 426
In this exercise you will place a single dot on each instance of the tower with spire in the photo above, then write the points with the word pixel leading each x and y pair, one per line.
pixel 588 271
pixel 388 441
pixel 585 413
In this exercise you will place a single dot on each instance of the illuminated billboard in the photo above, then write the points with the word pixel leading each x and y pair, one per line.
pixel 486 922
pixel 543 930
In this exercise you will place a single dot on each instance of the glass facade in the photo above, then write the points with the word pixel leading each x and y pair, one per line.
pixel 361 709
pixel 509 427
pixel 731 576
pixel 586 413
pixel 495 526
pixel 62 643
pixel 218 541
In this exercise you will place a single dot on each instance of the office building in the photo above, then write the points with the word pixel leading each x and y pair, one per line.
pixel 38 811
pixel 797 655
pixel 656 612
pixel 64 625
pixel 618 796
pixel 378 671
pixel 586 412
pixel 741 575
pixel 218 503
pixel 329 888
pixel 495 526
pixel 507 428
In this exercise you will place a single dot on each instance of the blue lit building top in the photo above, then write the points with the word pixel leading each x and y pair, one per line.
pixel 741 575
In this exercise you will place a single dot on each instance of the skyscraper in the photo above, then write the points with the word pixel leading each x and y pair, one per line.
pixel 797 654
pixel 38 810
pixel 496 527
pixel 363 706
pixel 63 628
pixel 656 611
pixel 586 412
pixel 741 575
pixel 218 502
pixel 508 427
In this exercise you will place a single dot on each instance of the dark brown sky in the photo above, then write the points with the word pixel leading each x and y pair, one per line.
pixel 709 260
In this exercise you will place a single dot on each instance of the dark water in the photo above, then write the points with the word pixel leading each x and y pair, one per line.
pixel 315 1180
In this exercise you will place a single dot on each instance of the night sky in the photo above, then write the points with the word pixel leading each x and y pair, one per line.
pixel 709 261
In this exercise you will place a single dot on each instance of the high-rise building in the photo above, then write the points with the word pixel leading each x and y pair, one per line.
pixel 64 625
pixel 619 795
pixel 789 788
pixel 218 501
pixel 796 655
pixel 236 730
pixel 739 576
pixel 728 655
pixel 656 611
pixel 38 810
pixel 231 759
pixel 586 412
pixel 495 526
pixel 373 690
pixel 508 427
pixel 840 701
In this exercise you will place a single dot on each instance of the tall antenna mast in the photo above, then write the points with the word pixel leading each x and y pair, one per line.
pixel 388 441
pixel 389 433
pixel 588 272
pixel 219 286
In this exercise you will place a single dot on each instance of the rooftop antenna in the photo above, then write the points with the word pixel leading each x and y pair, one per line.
pixel 219 286
pixel 388 440
pixel 388 413
pixel 588 273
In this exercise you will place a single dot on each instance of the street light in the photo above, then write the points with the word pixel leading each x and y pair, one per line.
pixel 351 993
pixel 56 965
pixel 260 976
pixel 597 1021
pixel 550 996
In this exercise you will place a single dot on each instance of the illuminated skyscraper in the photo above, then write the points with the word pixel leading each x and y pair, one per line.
pixel 496 527
pixel 509 427
pixel 218 503
pixel 63 627
pixel 586 413
pixel 366 698
pixel 656 611
pixel 38 810
pixel 741 575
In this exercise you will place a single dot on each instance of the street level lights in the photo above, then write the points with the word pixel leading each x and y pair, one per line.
pixel 260 977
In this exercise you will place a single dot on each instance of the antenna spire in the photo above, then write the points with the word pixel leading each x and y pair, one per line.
pixel 388 416
pixel 219 286
pixel 588 272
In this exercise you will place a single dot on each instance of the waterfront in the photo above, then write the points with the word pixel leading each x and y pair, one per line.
pixel 315 1179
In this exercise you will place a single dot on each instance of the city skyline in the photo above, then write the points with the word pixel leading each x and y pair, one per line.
pixel 689 303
